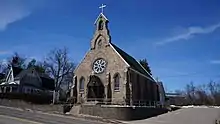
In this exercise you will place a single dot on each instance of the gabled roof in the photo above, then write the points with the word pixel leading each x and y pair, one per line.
pixel 21 74
pixel 134 64
pixel 101 14
pixel 47 81
pixel 29 70
pixel 12 73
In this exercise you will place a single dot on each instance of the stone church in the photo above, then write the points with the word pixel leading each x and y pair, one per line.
pixel 107 74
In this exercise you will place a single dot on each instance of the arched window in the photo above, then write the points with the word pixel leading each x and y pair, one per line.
pixel 81 84
pixel 99 43
pixel 117 82
pixel 101 24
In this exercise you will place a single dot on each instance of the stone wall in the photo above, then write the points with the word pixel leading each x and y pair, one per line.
pixel 34 107
pixel 121 113
pixel 42 98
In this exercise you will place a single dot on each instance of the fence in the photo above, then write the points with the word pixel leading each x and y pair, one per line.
pixel 120 102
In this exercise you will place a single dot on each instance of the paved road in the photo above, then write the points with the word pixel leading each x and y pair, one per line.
pixel 184 116
pixel 12 116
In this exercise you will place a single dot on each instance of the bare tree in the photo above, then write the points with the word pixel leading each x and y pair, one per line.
pixel 68 80
pixel 202 97
pixel 3 67
pixel 58 65
pixel 190 93
pixel 206 94
pixel 214 89
pixel 180 98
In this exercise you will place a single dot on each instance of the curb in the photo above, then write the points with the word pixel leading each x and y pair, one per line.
pixel 96 118
pixel 14 108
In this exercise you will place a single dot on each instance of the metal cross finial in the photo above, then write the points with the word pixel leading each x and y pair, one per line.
pixel 102 7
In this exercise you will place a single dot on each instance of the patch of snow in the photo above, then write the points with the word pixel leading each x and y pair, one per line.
pixel 12 83
pixel 202 106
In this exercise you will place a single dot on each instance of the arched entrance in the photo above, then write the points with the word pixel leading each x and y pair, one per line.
pixel 95 89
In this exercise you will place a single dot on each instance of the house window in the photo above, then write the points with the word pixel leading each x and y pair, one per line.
pixel 116 82
pixel 81 84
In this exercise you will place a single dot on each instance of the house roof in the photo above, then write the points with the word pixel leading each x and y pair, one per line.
pixel 43 75
pixel 21 74
pixel 132 62
pixel 47 82
pixel 25 71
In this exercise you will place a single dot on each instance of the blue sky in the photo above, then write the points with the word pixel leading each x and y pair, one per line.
pixel 180 39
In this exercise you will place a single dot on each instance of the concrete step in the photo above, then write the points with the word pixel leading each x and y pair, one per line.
pixel 75 110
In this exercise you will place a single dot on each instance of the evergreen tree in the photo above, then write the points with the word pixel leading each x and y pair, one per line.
pixel 145 64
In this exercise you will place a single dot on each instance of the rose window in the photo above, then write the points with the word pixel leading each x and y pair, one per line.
pixel 99 66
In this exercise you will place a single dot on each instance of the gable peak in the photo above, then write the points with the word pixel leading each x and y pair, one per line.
pixel 101 16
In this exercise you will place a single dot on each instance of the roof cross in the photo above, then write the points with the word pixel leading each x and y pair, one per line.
pixel 102 7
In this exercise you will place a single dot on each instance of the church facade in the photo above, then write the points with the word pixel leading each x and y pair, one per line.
pixel 109 75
